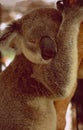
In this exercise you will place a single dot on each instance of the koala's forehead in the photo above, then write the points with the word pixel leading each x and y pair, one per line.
pixel 42 13
pixel 41 21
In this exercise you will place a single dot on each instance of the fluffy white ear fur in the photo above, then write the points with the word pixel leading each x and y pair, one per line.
pixel 10 37
pixel 6 39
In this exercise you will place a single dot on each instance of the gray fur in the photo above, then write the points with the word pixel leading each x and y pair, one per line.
pixel 29 88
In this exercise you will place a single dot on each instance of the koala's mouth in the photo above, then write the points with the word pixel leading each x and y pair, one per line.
pixel 48 50
pixel 48 54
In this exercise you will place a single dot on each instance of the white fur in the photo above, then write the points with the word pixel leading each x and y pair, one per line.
pixel 33 57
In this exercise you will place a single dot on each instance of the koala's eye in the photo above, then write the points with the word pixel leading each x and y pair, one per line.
pixel 48 49
pixel 32 41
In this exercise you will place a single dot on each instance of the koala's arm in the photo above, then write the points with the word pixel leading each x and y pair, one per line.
pixel 61 111
pixel 80 52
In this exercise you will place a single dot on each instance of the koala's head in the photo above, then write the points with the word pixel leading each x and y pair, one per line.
pixel 34 35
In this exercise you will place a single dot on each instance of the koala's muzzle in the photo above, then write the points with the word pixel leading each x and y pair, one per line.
pixel 48 49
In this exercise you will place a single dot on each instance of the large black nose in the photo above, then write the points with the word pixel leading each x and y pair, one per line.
pixel 48 49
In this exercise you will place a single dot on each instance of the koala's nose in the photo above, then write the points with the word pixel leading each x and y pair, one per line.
pixel 48 49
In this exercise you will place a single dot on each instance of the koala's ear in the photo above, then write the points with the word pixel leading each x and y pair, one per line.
pixel 8 36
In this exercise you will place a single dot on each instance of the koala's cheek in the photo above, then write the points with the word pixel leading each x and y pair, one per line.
pixel 34 57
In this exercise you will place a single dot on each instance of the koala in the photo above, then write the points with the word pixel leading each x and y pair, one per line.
pixel 26 103
pixel 44 69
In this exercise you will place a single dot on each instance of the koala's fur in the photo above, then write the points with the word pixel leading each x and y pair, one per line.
pixel 30 83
